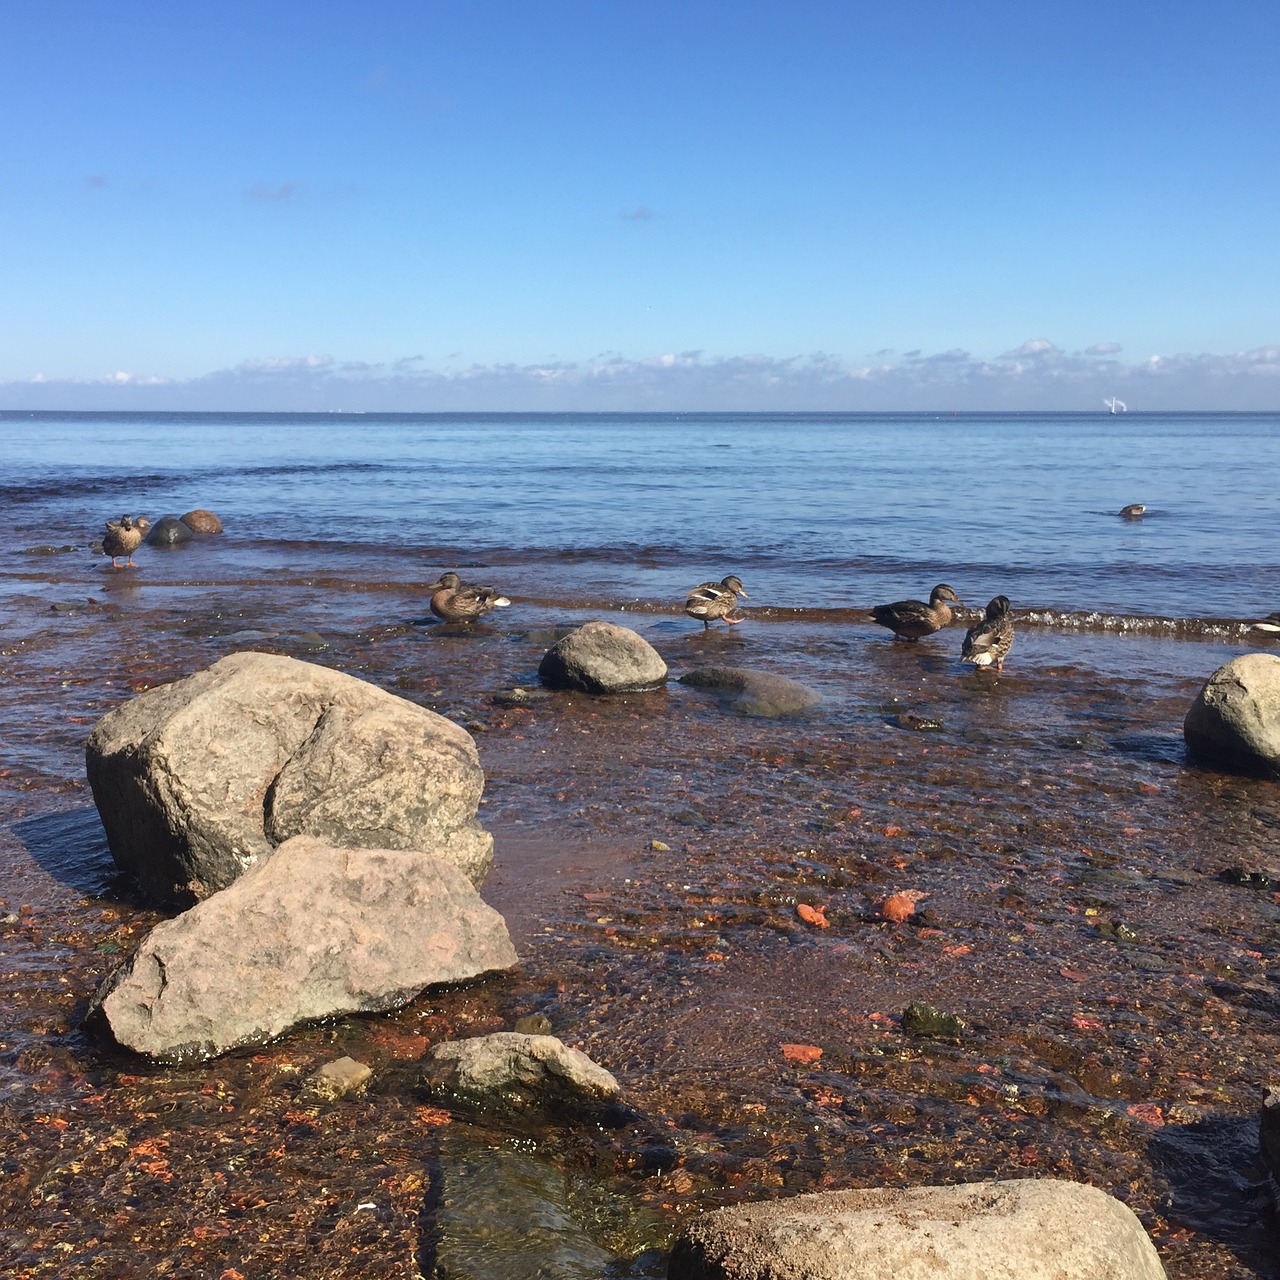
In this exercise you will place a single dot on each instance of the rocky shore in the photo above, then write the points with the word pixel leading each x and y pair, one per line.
pixel 696 891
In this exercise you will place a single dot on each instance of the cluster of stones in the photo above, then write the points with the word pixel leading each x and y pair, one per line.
pixel 173 531
pixel 322 836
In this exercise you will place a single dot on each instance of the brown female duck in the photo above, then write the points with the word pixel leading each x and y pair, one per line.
pixel 987 643
pixel 122 538
pixel 711 600
pixel 911 619
pixel 453 600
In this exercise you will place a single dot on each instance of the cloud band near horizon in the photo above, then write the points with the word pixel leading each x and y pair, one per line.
pixel 1036 376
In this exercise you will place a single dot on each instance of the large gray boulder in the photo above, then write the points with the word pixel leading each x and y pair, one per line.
pixel 511 1071
pixel 198 780
pixel 754 693
pixel 1235 720
pixel 601 657
pixel 1022 1230
pixel 310 932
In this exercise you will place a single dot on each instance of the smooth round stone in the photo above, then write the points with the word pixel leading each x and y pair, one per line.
pixel 201 521
pixel 168 531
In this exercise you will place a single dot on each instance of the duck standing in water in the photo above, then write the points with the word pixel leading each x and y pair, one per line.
pixel 453 600
pixel 912 619
pixel 987 643
pixel 122 538
pixel 711 600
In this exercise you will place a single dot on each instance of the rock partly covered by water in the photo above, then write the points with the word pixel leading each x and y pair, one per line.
pixel 601 657
pixel 1269 1135
pixel 198 780
pixel 201 521
pixel 1020 1230
pixel 754 693
pixel 512 1071
pixel 1235 720
pixel 168 531
pixel 311 932
pixel 338 1079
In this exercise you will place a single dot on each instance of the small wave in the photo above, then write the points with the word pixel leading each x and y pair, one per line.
pixel 1141 624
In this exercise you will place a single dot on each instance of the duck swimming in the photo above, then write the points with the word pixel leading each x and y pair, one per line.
pixel 987 643
pixel 912 619
pixel 1271 623
pixel 1134 511
pixel 122 538
pixel 711 600
pixel 453 600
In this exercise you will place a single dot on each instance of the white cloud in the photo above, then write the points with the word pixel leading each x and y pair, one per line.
pixel 1036 375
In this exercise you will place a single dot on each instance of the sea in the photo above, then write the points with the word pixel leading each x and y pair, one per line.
pixel 812 511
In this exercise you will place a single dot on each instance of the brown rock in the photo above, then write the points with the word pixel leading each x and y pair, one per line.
pixel 201 521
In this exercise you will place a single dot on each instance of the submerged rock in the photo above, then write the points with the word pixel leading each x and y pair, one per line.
pixel 601 657
pixel 338 1078
pixel 754 693
pixel 519 697
pixel 921 1019
pixel 1235 719
pixel 310 932
pixel 506 1214
pixel 1018 1230
pixel 201 521
pixel 532 1024
pixel 168 531
pixel 513 1071
pixel 1269 1135
pixel 196 781
pixel 918 723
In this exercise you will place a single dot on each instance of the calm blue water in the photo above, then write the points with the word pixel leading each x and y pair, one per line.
pixel 809 510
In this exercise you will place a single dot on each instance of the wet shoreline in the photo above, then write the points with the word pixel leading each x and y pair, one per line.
pixel 1052 807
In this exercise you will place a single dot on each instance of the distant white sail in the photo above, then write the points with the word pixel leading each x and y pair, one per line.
pixel 1116 406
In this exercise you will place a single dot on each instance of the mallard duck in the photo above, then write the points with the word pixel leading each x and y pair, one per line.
pixel 911 619
pixel 711 600
pixel 1134 511
pixel 987 643
pixel 122 538
pixel 453 600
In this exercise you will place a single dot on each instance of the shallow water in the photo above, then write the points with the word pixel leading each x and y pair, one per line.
pixel 1052 807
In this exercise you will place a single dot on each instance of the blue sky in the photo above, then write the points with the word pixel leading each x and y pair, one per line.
pixel 432 204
